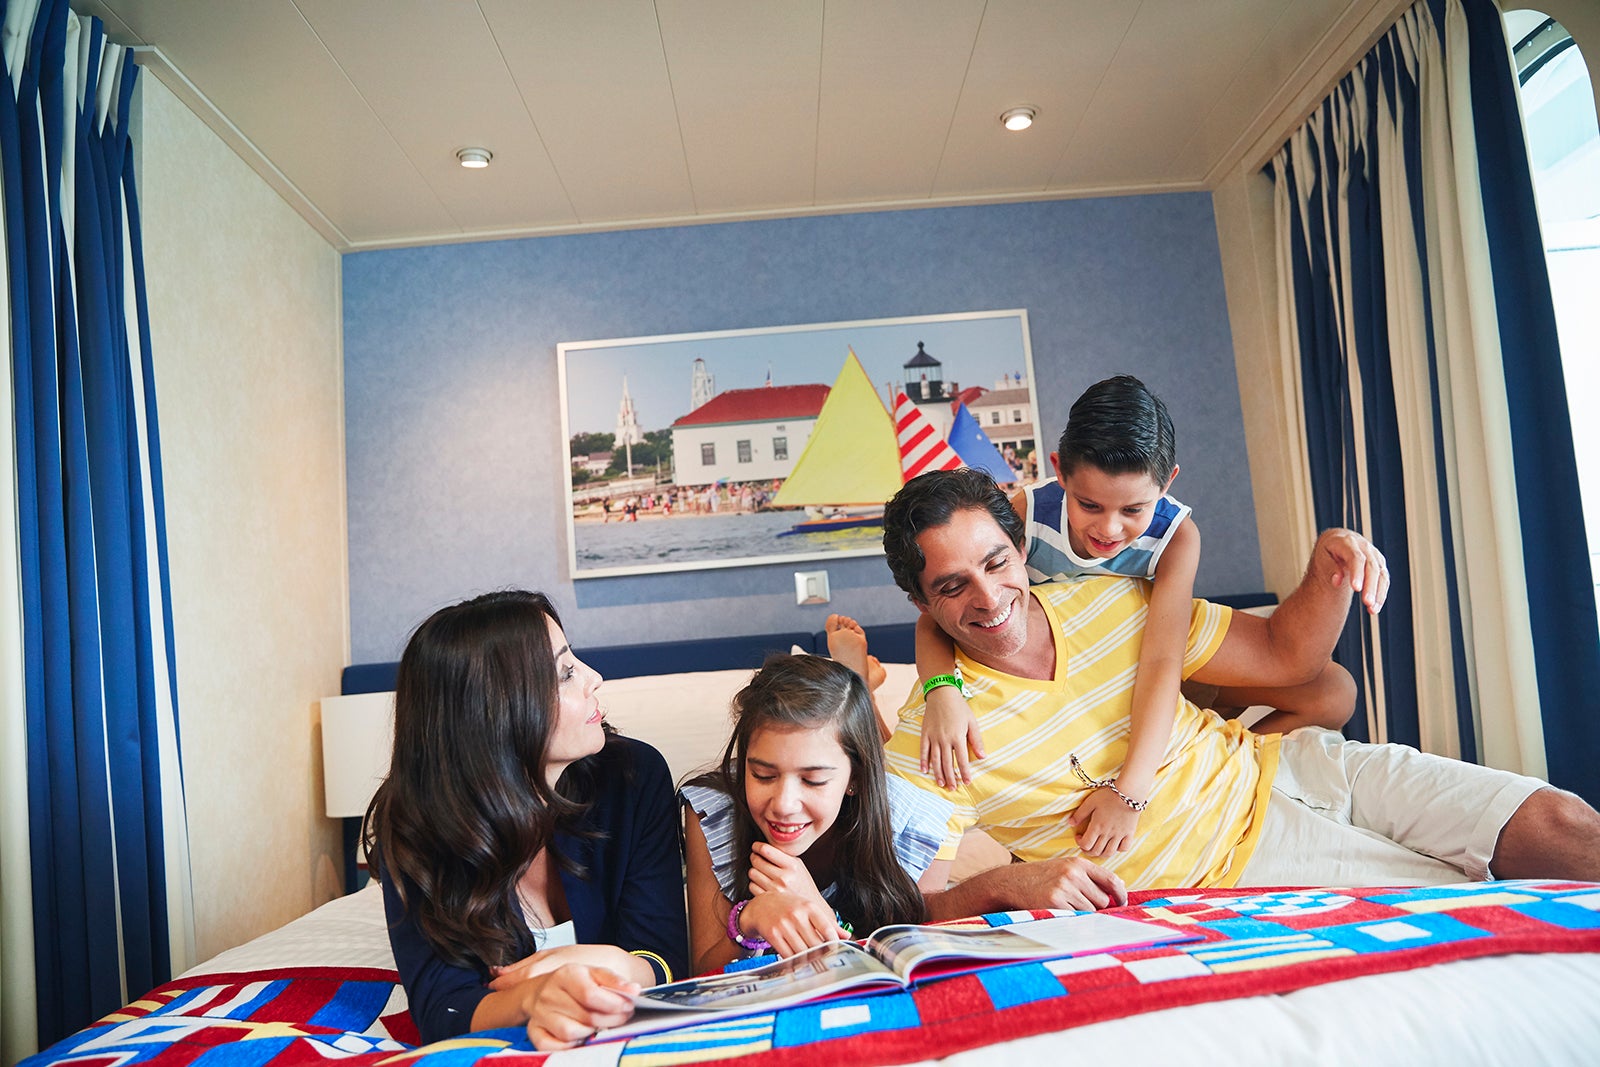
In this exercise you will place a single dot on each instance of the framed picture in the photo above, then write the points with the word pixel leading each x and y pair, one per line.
pixel 745 447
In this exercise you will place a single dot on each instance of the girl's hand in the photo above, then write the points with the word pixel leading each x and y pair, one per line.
pixel 789 922
pixel 949 729
pixel 773 870
pixel 1105 824
pixel 567 1006
pixel 608 956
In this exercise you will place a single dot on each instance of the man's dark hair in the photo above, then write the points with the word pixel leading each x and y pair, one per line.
pixel 1121 427
pixel 926 502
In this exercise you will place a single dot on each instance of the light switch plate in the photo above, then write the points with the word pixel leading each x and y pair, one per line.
pixel 810 587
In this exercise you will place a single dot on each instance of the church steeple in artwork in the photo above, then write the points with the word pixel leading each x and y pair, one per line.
pixel 628 431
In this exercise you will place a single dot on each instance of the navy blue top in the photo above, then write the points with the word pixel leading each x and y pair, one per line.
pixel 631 893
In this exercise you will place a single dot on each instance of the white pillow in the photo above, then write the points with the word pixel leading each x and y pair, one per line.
pixel 685 717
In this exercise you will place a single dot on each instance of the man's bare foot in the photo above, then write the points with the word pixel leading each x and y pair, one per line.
pixel 847 643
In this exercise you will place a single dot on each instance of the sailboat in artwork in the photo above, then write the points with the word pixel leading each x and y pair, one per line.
pixel 851 459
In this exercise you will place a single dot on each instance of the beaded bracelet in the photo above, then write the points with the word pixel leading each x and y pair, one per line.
pixel 752 943
pixel 1107 783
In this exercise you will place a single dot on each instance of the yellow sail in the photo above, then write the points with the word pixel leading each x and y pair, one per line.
pixel 852 456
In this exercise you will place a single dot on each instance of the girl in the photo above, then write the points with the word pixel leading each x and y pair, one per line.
pixel 518 838
pixel 798 837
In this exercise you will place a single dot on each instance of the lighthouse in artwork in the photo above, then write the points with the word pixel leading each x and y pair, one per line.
pixel 628 432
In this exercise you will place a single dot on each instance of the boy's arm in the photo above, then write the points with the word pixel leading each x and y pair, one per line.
pixel 1105 822
pixel 1160 670
pixel 948 725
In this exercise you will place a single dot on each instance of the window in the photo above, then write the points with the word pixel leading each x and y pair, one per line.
pixel 708 454
pixel 744 450
pixel 780 448
pixel 994 418
pixel 1016 414
pixel 1564 153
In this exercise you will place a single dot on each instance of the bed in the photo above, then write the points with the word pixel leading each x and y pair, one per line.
pixel 1489 973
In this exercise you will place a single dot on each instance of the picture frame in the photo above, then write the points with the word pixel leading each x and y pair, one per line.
pixel 735 448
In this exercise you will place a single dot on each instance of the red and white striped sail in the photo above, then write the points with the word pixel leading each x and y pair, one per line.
pixel 921 447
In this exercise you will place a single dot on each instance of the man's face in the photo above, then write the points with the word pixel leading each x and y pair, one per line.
pixel 975 585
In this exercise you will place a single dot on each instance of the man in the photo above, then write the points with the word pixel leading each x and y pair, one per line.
pixel 1050 673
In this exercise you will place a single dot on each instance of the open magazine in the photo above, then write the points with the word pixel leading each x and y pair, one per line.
pixel 893 956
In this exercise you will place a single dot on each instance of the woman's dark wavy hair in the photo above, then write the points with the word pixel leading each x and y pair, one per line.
pixel 1121 427
pixel 466 807
pixel 810 692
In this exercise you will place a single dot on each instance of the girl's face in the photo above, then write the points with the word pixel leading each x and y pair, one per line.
pixel 577 731
pixel 795 780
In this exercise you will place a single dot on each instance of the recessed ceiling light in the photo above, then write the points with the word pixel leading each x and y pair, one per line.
pixel 474 158
pixel 1018 118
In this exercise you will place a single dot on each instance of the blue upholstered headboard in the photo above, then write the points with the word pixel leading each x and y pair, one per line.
pixel 890 642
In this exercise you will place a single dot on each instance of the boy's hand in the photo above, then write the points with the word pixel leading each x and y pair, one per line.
pixel 948 729
pixel 1105 824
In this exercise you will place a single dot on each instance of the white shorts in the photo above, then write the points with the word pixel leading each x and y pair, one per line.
pixel 1343 813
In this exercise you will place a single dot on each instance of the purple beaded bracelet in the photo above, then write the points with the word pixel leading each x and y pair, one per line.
pixel 750 944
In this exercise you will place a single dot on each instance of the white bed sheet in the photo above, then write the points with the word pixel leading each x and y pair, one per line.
pixel 1537 1009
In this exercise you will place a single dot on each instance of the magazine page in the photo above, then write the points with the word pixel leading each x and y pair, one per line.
pixel 903 948
pixel 815 974
pixel 804 976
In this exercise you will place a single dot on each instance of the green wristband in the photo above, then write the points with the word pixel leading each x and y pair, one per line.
pixel 942 679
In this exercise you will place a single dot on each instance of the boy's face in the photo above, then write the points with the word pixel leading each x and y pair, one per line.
pixel 1106 511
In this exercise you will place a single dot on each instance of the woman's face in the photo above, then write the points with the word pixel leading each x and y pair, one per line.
pixel 794 783
pixel 577 731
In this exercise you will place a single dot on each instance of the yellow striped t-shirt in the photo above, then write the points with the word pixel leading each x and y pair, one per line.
pixel 1210 791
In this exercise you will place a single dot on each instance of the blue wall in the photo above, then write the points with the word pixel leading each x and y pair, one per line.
pixel 455 459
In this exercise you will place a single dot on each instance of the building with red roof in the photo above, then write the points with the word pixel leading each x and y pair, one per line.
pixel 744 435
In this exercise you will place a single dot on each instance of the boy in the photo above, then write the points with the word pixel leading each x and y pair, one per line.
pixel 1107 512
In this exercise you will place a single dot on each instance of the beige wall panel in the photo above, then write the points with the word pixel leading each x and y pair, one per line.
pixel 244 313
pixel 1243 206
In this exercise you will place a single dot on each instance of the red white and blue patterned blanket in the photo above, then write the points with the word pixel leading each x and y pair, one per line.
pixel 1252 942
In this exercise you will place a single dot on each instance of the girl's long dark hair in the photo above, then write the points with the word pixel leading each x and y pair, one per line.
pixel 810 692
pixel 466 807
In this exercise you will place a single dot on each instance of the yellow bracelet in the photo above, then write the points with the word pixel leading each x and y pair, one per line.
pixel 653 958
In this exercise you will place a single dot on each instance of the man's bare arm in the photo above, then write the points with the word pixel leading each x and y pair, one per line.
pixel 1292 645
pixel 1069 882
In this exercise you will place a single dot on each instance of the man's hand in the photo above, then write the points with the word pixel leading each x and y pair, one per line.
pixel 1104 823
pixel 1344 556
pixel 1066 882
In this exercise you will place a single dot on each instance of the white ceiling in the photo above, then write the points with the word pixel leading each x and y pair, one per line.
pixel 604 114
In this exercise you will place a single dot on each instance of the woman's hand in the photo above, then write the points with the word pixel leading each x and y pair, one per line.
pixel 609 957
pixel 789 922
pixel 567 1006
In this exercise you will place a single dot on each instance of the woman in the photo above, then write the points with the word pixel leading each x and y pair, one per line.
pixel 529 855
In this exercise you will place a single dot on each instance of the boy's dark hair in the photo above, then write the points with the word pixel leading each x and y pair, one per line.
pixel 926 502
pixel 1121 427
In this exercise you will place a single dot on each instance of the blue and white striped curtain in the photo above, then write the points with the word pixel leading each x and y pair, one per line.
pixel 93 837
pixel 1420 346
